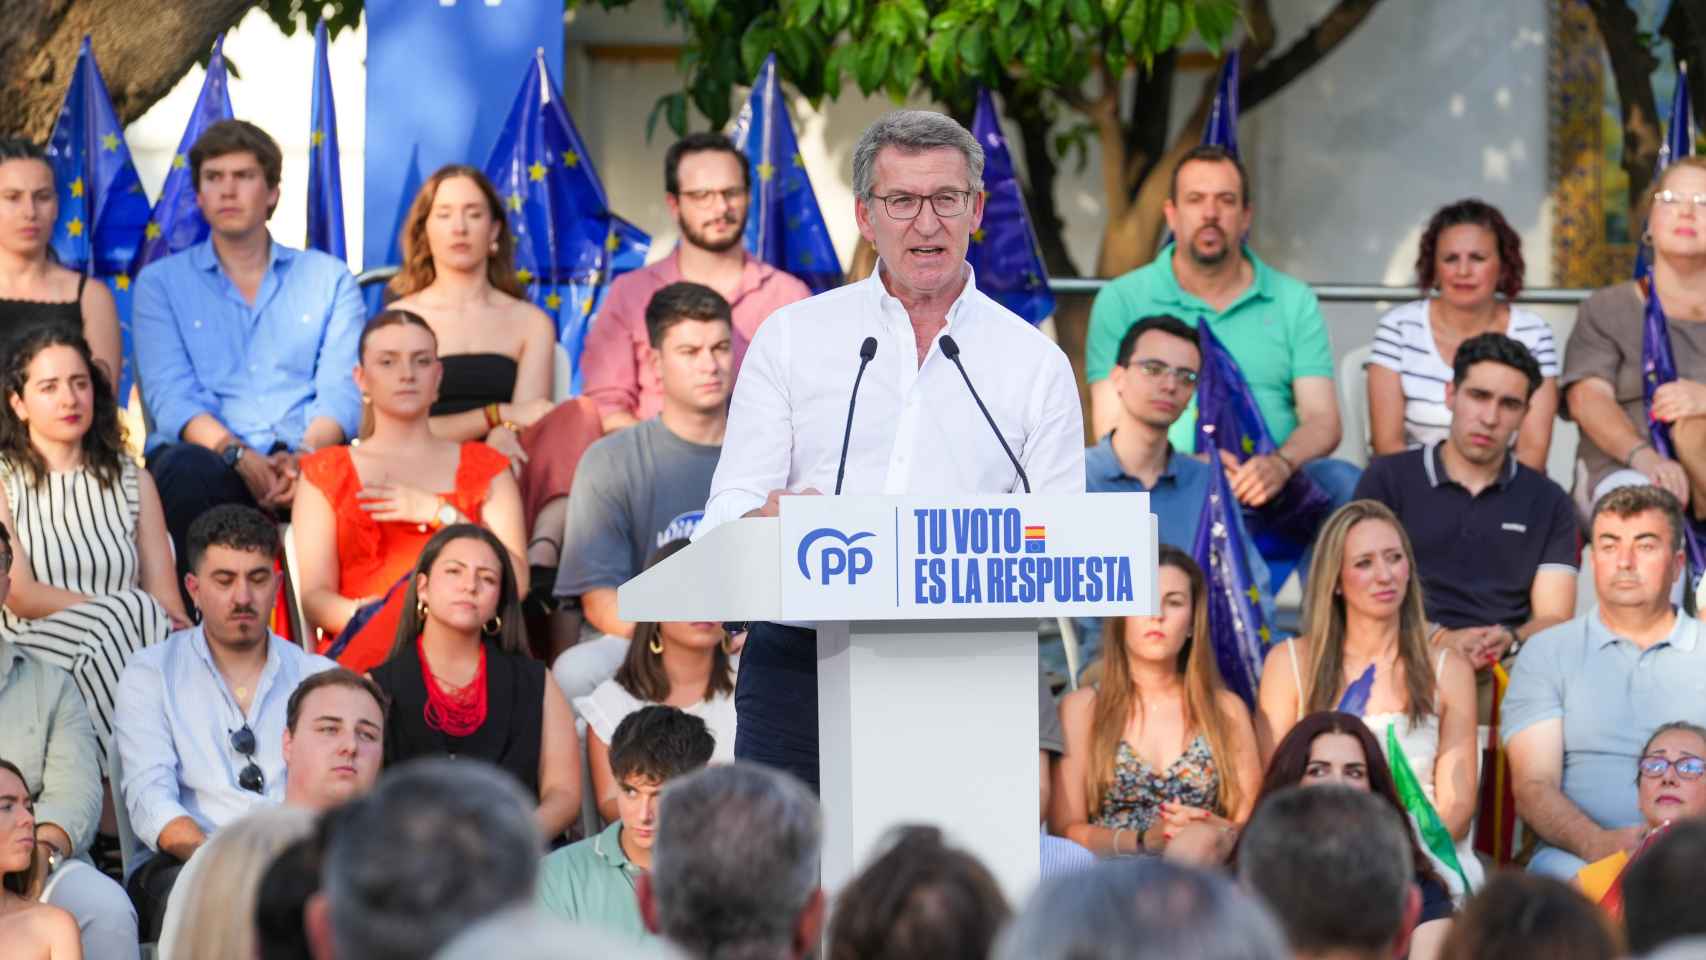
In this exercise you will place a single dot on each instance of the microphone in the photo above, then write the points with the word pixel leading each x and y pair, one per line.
pixel 951 350
pixel 867 350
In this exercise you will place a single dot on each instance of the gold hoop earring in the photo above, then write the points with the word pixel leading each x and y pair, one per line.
pixel 656 646
pixel 495 627
pixel 420 610
pixel 365 399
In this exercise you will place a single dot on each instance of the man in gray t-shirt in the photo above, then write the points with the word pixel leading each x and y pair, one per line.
pixel 639 488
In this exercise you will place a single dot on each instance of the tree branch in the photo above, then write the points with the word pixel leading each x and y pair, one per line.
pixel 1685 28
pixel 1260 83
pixel 1632 66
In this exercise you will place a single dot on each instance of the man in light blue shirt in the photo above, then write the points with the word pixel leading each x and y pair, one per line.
pixel 1585 695
pixel 244 348
pixel 201 717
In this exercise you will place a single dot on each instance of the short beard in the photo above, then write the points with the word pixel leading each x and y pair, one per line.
pixel 692 235
pixel 1209 259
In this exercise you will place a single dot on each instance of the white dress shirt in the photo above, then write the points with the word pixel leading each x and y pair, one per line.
pixel 916 428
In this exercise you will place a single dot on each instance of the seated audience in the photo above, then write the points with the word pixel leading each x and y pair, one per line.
pixel 334 736
pixel 35 291
pixel 1521 916
pixel 735 865
pixel 366 511
pixel 1668 785
pixel 1584 695
pixel 1141 909
pixel 1470 269
pixel 29 927
pixel 212 911
pixel 681 664
pixel 1364 651
pixel 1058 854
pixel 919 900
pixel 201 717
pixel 97 581
pixel 440 844
pixel 1269 322
pixel 1603 361
pixel 45 733
pixel 461 683
pixel 499 352
pixel 707 190
pixel 1495 539
pixel 1661 891
pixel 1159 744
pixel 639 489
pixel 243 345
pixel 1333 748
pixel 1334 864
pixel 527 934
pixel 592 882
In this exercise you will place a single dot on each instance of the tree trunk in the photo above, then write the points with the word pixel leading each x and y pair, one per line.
pixel 1632 66
pixel 1685 28
pixel 143 46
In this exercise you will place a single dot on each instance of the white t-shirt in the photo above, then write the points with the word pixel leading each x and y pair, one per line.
pixel 1404 343
pixel 610 703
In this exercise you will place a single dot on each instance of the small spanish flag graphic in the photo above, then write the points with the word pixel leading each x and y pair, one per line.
pixel 1036 539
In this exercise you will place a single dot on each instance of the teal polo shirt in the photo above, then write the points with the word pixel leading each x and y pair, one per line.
pixel 1274 332
pixel 592 883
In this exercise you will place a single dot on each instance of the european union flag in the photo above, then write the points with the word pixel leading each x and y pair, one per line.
pixel 325 184
pixel 1235 627
pixel 784 226
pixel 176 222
pixel 1658 367
pixel 1003 251
pixel 374 293
pixel 1221 129
pixel 569 246
pixel 1678 143
pixel 102 208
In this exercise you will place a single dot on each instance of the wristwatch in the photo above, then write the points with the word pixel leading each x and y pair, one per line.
pixel 231 453
pixel 445 516
pixel 54 857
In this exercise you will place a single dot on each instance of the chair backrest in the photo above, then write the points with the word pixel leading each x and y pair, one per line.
pixel 1353 406
pixel 562 376
pixel 128 845
pixel 304 632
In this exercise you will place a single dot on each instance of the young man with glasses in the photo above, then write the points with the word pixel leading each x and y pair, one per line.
pixel 201 717
pixel 705 182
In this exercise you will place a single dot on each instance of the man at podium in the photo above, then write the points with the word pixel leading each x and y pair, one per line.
pixel 872 389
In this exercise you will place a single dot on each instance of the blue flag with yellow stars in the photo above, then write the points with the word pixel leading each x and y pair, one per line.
pixel 1658 367
pixel 568 245
pixel 784 226
pixel 176 223
pixel 1221 129
pixel 1236 630
pixel 1003 251
pixel 325 184
pixel 1678 143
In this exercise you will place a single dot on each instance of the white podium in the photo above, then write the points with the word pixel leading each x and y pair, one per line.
pixel 926 610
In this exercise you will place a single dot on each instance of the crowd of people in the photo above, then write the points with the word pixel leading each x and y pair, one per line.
pixel 647 789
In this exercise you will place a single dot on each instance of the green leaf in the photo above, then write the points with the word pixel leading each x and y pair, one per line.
pixel 701 9
pixel 1168 27
pixel 1132 22
pixel 1006 44
pixel 888 24
pixel 940 53
pixel 917 17
pixel 974 48
pixel 835 14
pixel 755 45
pixel 1006 11
pixel 673 107
pixel 1083 13
pixel 872 66
pixel 949 19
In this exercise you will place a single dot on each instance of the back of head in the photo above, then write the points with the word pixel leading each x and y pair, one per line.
pixel 219 901
pixel 921 900
pixel 529 934
pixel 1141 910
pixel 291 878
pixel 1661 891
pixel 1334 866
pixel 1526 916
pixel 438 845
pixel 735 861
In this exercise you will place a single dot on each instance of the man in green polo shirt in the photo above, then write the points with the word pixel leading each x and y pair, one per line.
pixel 592 882
pixel 1269 322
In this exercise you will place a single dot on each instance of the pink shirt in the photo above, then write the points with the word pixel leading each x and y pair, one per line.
pixel 614 365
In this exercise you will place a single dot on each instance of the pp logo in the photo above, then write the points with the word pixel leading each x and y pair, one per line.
pixel 835 559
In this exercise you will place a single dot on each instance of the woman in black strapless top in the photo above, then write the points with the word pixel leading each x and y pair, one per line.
pixel 34 290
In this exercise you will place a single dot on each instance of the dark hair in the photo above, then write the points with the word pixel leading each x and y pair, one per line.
pixel 17 148
pixel 19 883
pixel 235 526
pixel 1211 153
pixel 660 743
pixel 335 677
pixel 699 143
pixel 417 271
pixel 1333 864
pixel 681 301
pixel 1495 348
pixel 103 442
pixel 511 638
pixel 391 318
pixel 1172 326
pixel 1474 211
pixel 921 900
pixel 6 548
pixel 1661 890
pixel 1291 760
pixel 641 673
pixel 283 893
pixel 238 136
pixel 1528 916
pixel 1626 502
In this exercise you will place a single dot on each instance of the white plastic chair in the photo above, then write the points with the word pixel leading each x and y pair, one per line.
pixel 306 634
pixel 1353 406
pixel 562 376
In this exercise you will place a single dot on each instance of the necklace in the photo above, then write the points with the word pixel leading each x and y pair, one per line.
pixel 454 711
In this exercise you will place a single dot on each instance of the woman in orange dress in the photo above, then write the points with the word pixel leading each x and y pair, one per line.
pixel 365 512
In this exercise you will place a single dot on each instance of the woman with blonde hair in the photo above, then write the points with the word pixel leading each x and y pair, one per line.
pixel 1364 650
pixel 212 910
pixel 1159 749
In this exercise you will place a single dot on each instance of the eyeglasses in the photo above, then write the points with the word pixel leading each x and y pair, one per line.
pixel 907 206
pixel 1155 370
pixel 1673 200
pixel 1654 766
pixel 700 198
pixel 250 778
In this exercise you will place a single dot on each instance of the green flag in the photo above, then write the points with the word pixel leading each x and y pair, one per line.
pixel 1434 834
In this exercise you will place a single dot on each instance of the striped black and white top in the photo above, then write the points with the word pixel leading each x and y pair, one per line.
pixel 1404 343
pixel 79 535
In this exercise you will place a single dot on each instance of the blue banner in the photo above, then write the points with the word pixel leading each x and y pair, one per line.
pixel 1004 251
pixel 176 223
pixel 784 226
pixel 1678 143
pixel 325 180
pixel 1236 629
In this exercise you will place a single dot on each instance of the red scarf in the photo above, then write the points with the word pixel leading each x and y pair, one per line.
pixel 454 714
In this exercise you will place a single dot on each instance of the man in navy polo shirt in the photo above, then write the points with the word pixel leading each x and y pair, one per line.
pixel 1496 543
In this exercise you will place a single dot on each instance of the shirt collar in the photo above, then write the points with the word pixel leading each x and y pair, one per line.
pixel 203 257
pixel 198 643
pixel 754 272
pixel 1111 469
pixel 1683 634
pixel 10 656
pixel 608 846
pixel 968 293
pixel 1433 461
pixel 1260 287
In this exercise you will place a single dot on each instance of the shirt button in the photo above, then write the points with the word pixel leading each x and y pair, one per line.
pixel 198 324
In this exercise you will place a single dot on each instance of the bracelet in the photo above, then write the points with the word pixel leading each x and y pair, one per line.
pixel 1629 459
pixel 1289 466
pixel 512 427
pixel 1117 832
pixel 493 417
